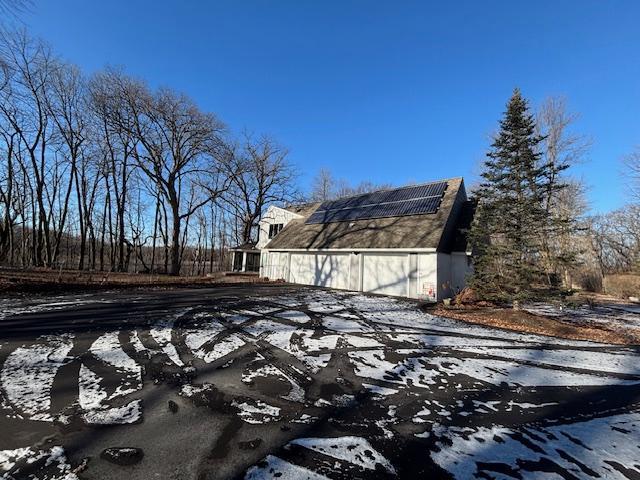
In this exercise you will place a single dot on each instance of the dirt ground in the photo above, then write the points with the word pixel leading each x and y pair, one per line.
pixel 525 321
pixel 582 316
pixel 41 280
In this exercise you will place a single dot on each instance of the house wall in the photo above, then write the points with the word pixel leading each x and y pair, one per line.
pixel 427 276
pixel 461 268
pixel 274 215
pixel 405 274
pixel 274 265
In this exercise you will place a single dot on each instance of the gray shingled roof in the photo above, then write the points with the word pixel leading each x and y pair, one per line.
pixel 414 231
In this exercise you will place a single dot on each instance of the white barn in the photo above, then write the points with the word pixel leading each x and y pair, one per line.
pixel 407 241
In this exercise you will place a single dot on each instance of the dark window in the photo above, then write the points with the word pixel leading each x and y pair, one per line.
pixel 237 261
pixel 274 229
pixel 253 262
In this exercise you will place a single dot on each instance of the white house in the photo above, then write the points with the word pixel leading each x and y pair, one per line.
pixel 407 241
pixel 246 257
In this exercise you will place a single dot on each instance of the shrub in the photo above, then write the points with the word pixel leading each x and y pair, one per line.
pixel 590 281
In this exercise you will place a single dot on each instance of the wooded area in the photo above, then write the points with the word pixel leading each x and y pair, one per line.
pixel 105 173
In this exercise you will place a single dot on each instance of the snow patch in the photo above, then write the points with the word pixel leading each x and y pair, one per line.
pixel 92 398
pixel 52 464
pixel 275 468
pixel 590 448
pixel 256 412
pixel 355 450
pixel 29 371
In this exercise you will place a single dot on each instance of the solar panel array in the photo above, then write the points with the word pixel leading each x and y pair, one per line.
pixel 416 200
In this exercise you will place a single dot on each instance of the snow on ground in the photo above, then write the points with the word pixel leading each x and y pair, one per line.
pixel 515 374
pixel 191 390
pixel 220 349
pixel 235 318
pixel 36 304
pixel 275 468
pixel 364 373
pixel 255 411
pixel 326 306
pixel 28 374
pixel 129 413
pixel 294 316
pixel 108 349
pixel 296 341
pixel 618 362
pixel 54 462
pixel 615 316
pixel 425 340
pixel 94 401
pixel 340 324
pixel 195 338
pixel 355 450
pixel 137 344
pixel 296 392
pixel 378 390
pixel 161 333
pixel 598 448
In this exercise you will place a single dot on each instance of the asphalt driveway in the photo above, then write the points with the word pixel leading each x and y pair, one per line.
pixel 274 381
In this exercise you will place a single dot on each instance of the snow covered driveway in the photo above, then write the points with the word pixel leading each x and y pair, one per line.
pixel 280 382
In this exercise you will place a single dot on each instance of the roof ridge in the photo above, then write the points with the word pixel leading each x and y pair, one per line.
pixel 398 188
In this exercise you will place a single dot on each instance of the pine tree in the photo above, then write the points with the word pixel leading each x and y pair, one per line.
pixel 511 214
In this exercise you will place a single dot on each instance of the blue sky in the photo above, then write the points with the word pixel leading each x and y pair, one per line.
pixel 383 91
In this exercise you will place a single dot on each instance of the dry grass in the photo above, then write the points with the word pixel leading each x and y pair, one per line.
pixel 622 286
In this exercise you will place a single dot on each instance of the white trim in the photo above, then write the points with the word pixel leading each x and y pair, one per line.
pixel 408 280
pixel 283 209
pixel 353 250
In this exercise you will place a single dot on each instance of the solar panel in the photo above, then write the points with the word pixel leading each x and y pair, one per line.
pixel 416 200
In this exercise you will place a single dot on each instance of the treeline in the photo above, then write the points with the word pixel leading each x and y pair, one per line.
pixel 102 172
pixel 325 186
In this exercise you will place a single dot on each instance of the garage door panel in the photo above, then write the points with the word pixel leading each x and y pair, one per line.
pixel 302 269
pixel 320 270
pixel 387 274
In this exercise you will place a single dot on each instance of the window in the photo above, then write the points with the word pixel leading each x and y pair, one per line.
pixel 274 229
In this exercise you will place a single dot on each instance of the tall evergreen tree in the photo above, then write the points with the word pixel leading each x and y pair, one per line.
pixel 511 214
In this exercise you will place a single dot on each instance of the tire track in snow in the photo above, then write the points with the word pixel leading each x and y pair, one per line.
pixel 28 374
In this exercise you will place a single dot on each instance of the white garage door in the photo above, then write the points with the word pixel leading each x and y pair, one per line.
pixel 320 270
pixel 388 274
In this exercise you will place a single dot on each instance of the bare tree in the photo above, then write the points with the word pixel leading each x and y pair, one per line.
pixel 13 8
pixel 563 196
pixel 180 149
pixel 323 186
pixel 24 108
pixel 262 176
pixel 562 149
pixel 66 98
pixel 631 165
pixel 115 121
pixel 615 239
